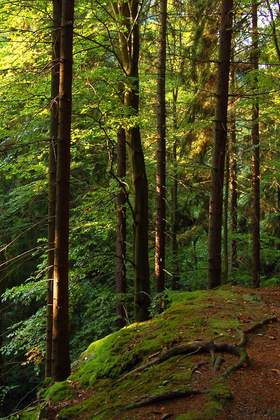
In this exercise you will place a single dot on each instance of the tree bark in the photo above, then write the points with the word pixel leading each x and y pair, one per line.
pixel 121 227
pixel 256 154
pixel 174 199
pixel 218 163
pixel 61 358
pixel 225 239
pixel 161 155
pixel 127 15
pixel 233 178
pixel 52 175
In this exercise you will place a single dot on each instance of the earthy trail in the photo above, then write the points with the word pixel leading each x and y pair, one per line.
pixel 256 389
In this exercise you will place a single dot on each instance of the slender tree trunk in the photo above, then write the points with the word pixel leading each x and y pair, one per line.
pixel 174 199
pixel 225 220
pixel 127 15
pixel 218 164
pixel 278 218
pixel 233 178
pixel 161 155
pixel 141 256
pixel 121 227
pixel 256 154
pixel 52 175
pixel 274 29
pixel 61 358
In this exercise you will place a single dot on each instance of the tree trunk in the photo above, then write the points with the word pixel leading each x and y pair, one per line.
pixel 121 227
pixel 218 163
pixel 233 178
pixel 174 199
pixel 127 15
pixel 61 358
pixel 52 175
pixel 161 155
pixel 255 155
pixel 225 239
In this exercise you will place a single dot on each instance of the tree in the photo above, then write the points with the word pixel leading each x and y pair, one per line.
pixel 121 225
pixel 61 358
pixel 233 174
pixel 52 174
pixel 256 153
pixel 127 16
pixel 161 154
pixel 218 162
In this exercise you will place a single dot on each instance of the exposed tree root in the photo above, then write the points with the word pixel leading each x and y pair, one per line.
pixel 210 347
pixel 164 397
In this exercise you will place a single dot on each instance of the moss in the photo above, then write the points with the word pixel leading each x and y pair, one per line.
pixel 74 411
pixel 192 315
pixel 190 415
pixel 59 391
pixel 220 391
pixel 221 324
pixel 252 298
pixel 210 411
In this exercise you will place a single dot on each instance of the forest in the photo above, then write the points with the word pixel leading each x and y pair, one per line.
pixel 140 209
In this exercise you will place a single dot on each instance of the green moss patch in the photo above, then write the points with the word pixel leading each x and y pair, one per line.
pixel 59 391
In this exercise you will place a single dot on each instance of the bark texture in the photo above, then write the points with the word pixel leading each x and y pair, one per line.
pixel 61 358
pixel 161 155
pixel 233 177
pixel 52 174
pixel 218 163
pixel 255 155
pixel 127 17
pixel 226 200
pixel 174 196
pixel 121 227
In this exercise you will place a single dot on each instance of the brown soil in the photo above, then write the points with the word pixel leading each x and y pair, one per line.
pixel 255 389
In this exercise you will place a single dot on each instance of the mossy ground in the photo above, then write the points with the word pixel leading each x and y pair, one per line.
pixel 199 315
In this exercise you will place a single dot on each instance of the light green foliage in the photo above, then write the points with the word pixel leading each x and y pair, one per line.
pixel 25 64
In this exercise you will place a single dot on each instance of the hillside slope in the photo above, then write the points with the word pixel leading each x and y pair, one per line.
pixel 196 360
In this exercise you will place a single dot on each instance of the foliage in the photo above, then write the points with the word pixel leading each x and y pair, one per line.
pixel 25 69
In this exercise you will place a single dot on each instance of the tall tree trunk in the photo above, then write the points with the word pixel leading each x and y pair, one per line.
pixel 233 177
pixel 52 174
pixel 278 218
pixel 161 155
pixel 225 219
pixel 127 17
pixel 61 358
pixel 256 154
pixel 218 163
pixel 121 227
pixel 174 199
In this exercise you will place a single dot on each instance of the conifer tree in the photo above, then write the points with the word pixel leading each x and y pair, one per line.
pixel 60 351
pixel 220 139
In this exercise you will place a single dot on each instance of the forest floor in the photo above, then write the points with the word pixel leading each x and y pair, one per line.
pixel 255 389
pixel 210 355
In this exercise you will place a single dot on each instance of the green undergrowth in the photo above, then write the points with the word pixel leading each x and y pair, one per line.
pixel 102 388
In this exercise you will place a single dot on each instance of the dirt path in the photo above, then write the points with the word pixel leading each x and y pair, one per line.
pixel 255 389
